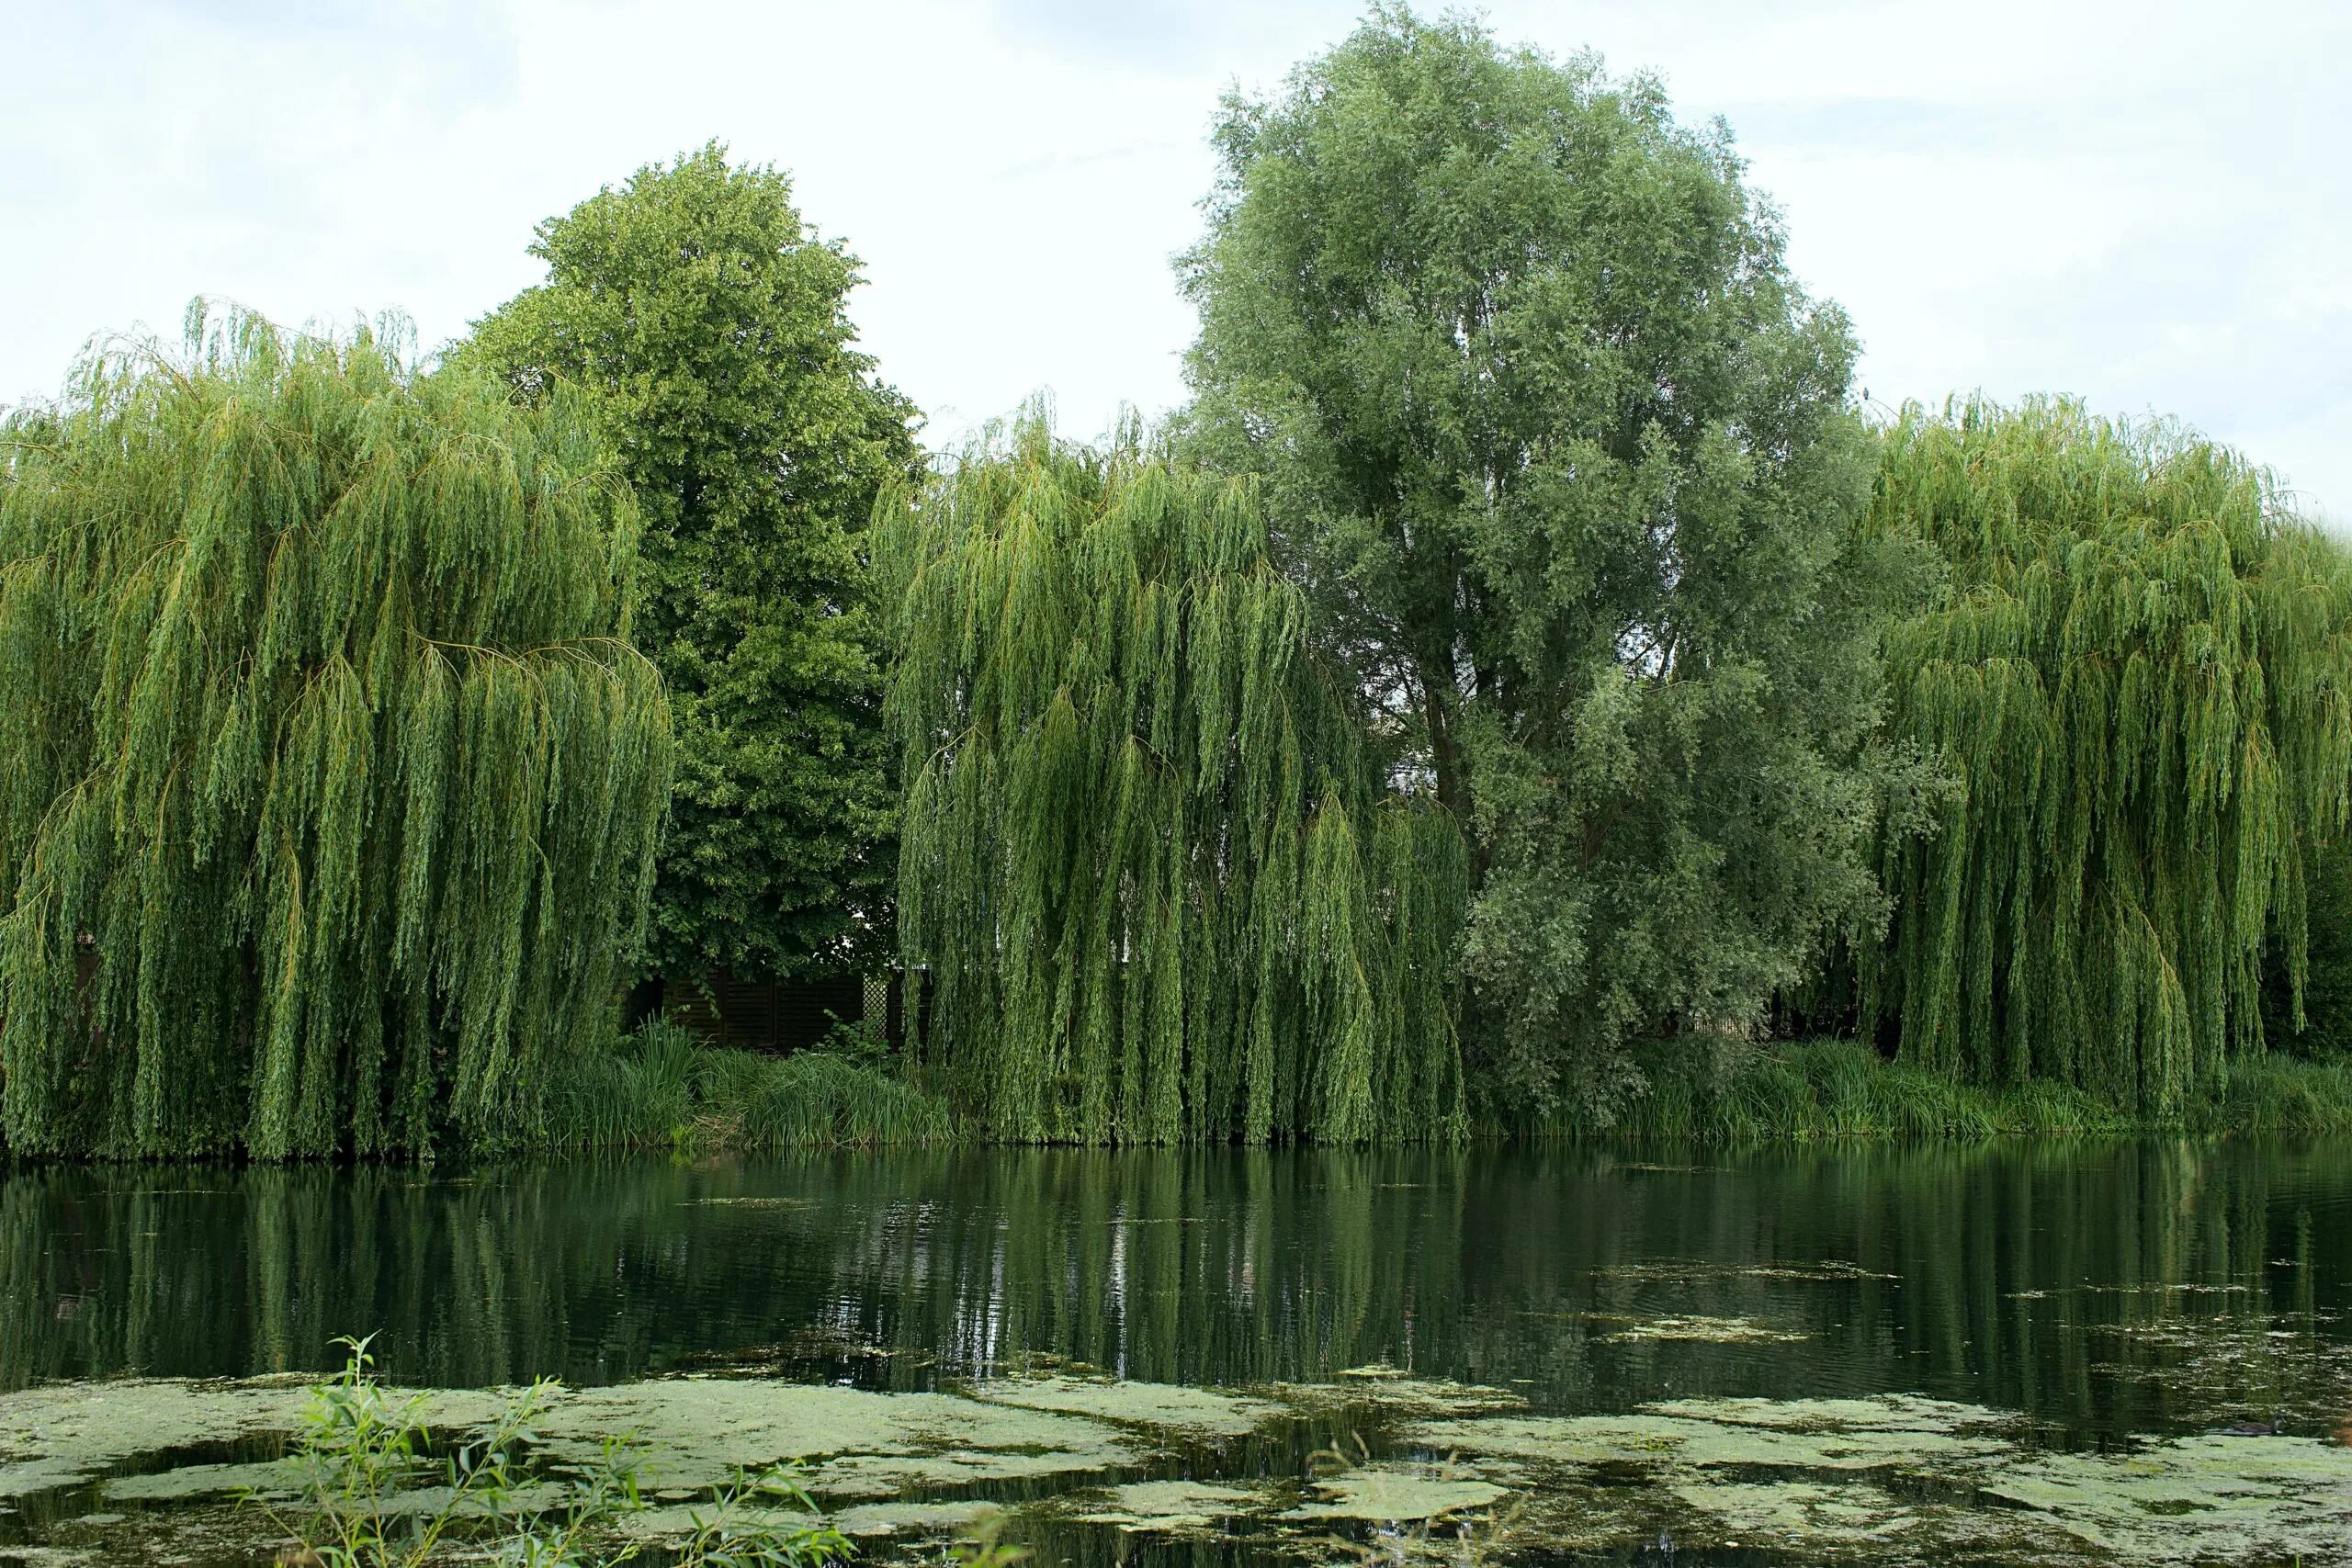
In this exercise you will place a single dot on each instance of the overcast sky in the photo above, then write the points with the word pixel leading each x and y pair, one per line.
pixel 2146 205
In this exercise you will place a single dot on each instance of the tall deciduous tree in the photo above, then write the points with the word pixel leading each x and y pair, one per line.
pixel 333 783
pixel 2141 673
pixel 1567 462
pixel 708 325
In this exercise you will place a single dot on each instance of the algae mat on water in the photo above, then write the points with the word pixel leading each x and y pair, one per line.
pixel 147 1471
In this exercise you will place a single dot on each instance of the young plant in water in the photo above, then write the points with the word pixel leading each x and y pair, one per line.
pixel 981 1549
pixel 372 1495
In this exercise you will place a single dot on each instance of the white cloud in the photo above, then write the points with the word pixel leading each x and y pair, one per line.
pixel 2132 202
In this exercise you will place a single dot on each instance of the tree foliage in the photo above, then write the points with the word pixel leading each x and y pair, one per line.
pixel 1148 864
pixel 1566 462
pixel 2314 1018
pixel 333 782
pixel 2141 673
pixel 707 325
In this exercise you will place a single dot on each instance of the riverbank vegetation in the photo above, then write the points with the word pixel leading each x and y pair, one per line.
pixel 660 1088
pixel 1524 691
pixel 1825 1089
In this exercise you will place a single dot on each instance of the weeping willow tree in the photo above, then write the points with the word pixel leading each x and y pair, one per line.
pixel 334 782
pixel 1150 868
pixel 2139 676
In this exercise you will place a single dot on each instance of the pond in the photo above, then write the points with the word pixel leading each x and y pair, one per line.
pixel 1994 1353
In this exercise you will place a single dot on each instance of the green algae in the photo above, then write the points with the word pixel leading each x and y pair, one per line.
pixel 888 1475
pixel 1847 1477
pixel 1821 1434
pixel 1168 1407
pixel 1380 1493
pixel 1697 1270
pixel 925 1521
pixel 187 1481
pixel 702 1430
pixel 1389 1391
pixel 1799 1509
pixel 1708 1331
pixel 2237 1368
pixel 694 1432
pixel 2195 1499
pixel 59 1434
pixel 1826 1480
pixel 1174 1507
pixel 62 1434
pixel 1908 1412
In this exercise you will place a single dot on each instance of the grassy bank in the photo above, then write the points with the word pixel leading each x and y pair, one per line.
pixel 660 1088
pixel 1841 1089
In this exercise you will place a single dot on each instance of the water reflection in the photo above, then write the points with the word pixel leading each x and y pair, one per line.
pixel 2134 1286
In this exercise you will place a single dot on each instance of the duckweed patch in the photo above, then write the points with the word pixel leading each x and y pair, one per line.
pixel 1394 1494
pixel 1707 1330
pixel 1692 1271
pixel 1841 1480
pixel 2196 1499
pixel 1177 1507
pixel 2235 1367
pixel 62 1434
pixel 926 1522
pixel 855 1444
pixel 1388 1391
pixel 1166 1406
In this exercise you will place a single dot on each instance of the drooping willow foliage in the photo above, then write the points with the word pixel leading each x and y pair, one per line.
pixel 2140 674
pixel 1160 887
pixel 332 781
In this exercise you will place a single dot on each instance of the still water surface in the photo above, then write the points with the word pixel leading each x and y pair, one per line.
pixel 2104 1292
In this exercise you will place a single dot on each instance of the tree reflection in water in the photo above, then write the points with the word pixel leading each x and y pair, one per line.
pixel 2139 1286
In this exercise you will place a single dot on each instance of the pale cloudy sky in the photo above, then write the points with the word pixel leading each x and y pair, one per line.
pixel 2146 204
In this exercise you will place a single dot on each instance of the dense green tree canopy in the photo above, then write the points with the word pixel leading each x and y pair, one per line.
pixel 2141 673
pixel 1566 462
pixel 1150 868
pixel 708 326
pixel 332 783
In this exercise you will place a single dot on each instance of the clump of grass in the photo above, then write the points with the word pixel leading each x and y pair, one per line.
pixel 637 1093
pixel 1842 1089
pixel 660 1088
pixel 815 1097
pixel 2279 1094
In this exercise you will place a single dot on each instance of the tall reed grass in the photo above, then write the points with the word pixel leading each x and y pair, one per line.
pixel 660 1088
pixel 1842 1089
